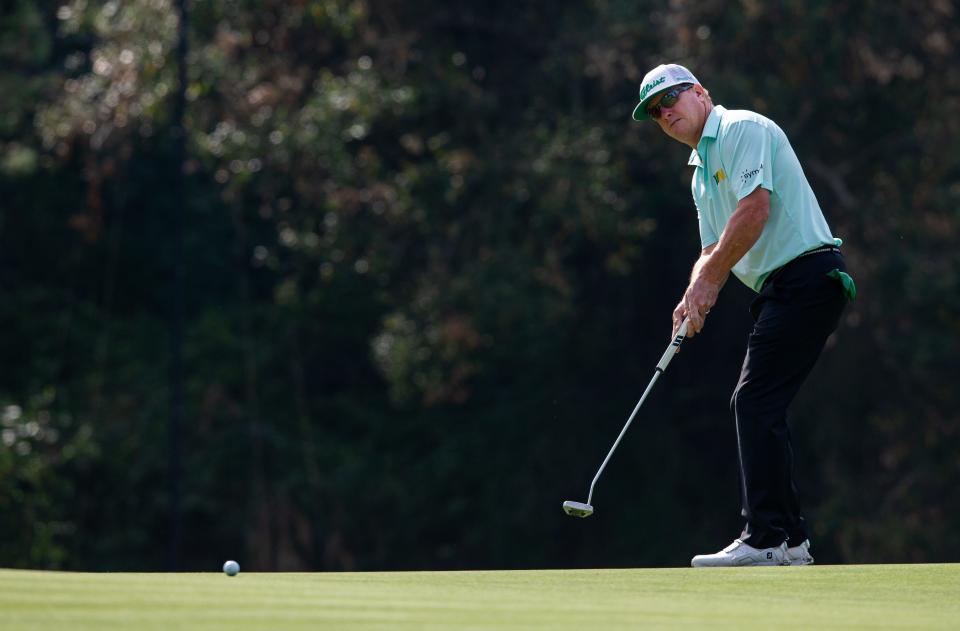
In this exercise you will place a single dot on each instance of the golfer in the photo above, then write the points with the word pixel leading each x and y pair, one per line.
pixel 760 220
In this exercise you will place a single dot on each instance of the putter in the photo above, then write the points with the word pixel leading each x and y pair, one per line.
pixel 579 509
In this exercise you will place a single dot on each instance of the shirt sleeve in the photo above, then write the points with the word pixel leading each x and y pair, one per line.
pixel 747 155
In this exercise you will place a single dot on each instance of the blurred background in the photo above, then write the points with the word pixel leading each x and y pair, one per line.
pixel 373 285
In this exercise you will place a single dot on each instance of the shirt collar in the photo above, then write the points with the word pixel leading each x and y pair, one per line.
pixel 710 130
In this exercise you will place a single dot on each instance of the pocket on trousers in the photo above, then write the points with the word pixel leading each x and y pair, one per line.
pixel 849 287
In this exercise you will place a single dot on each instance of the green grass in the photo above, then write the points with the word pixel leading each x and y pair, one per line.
pixel 817 597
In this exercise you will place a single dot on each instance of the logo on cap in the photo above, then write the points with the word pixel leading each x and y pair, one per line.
pixel 646 89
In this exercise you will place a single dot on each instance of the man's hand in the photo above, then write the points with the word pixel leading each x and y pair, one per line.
pixel 699 297
pixel 697 301
pixel 713 267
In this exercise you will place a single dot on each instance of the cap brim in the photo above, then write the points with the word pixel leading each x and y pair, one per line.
pixel 640 111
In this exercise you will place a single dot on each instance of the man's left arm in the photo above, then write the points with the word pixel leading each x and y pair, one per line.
pixel 713 268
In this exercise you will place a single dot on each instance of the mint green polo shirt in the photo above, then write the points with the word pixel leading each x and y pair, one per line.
pixel 739 151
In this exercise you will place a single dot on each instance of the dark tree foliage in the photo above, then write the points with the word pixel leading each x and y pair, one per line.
pixel 430 265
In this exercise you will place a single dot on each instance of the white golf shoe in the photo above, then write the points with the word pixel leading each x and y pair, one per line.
pixel 739 554
pixel 800 555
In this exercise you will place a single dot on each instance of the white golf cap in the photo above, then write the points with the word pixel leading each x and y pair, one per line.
pixel 661 78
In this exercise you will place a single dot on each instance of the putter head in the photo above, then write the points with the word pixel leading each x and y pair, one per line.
pixel 577 509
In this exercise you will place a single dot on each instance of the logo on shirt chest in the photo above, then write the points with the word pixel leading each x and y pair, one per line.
pixel 719 176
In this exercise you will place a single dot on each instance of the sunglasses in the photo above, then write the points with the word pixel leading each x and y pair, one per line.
pixel 669 99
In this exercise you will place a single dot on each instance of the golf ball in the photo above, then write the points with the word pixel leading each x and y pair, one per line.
pixel 230 568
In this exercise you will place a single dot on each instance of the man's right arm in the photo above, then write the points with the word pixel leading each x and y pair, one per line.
pixel 713 267
pixel 680 312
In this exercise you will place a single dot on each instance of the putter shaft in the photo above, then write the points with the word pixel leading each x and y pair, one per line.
pixel 661 367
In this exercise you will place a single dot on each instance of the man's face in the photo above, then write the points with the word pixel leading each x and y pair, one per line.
pixel 683 120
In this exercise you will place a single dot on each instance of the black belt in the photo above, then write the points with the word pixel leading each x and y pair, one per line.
pixel 822 248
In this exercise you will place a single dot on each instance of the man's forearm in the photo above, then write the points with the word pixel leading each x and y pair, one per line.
pixel 713 267
pixel 740 234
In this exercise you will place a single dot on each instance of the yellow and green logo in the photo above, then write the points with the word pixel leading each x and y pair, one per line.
pixel 719 176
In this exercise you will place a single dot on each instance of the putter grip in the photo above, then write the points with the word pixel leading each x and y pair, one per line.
pixel 674 346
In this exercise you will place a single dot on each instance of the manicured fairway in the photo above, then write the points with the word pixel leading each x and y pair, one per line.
pixel 818 597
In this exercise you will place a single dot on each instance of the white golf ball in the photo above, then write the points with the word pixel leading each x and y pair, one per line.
pixel 230 568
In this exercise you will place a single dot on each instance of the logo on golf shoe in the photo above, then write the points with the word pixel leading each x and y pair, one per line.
pixel 769 555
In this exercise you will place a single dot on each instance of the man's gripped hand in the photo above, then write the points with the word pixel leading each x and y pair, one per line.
pixel 697 301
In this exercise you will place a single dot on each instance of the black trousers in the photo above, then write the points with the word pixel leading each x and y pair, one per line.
pixel 797 309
